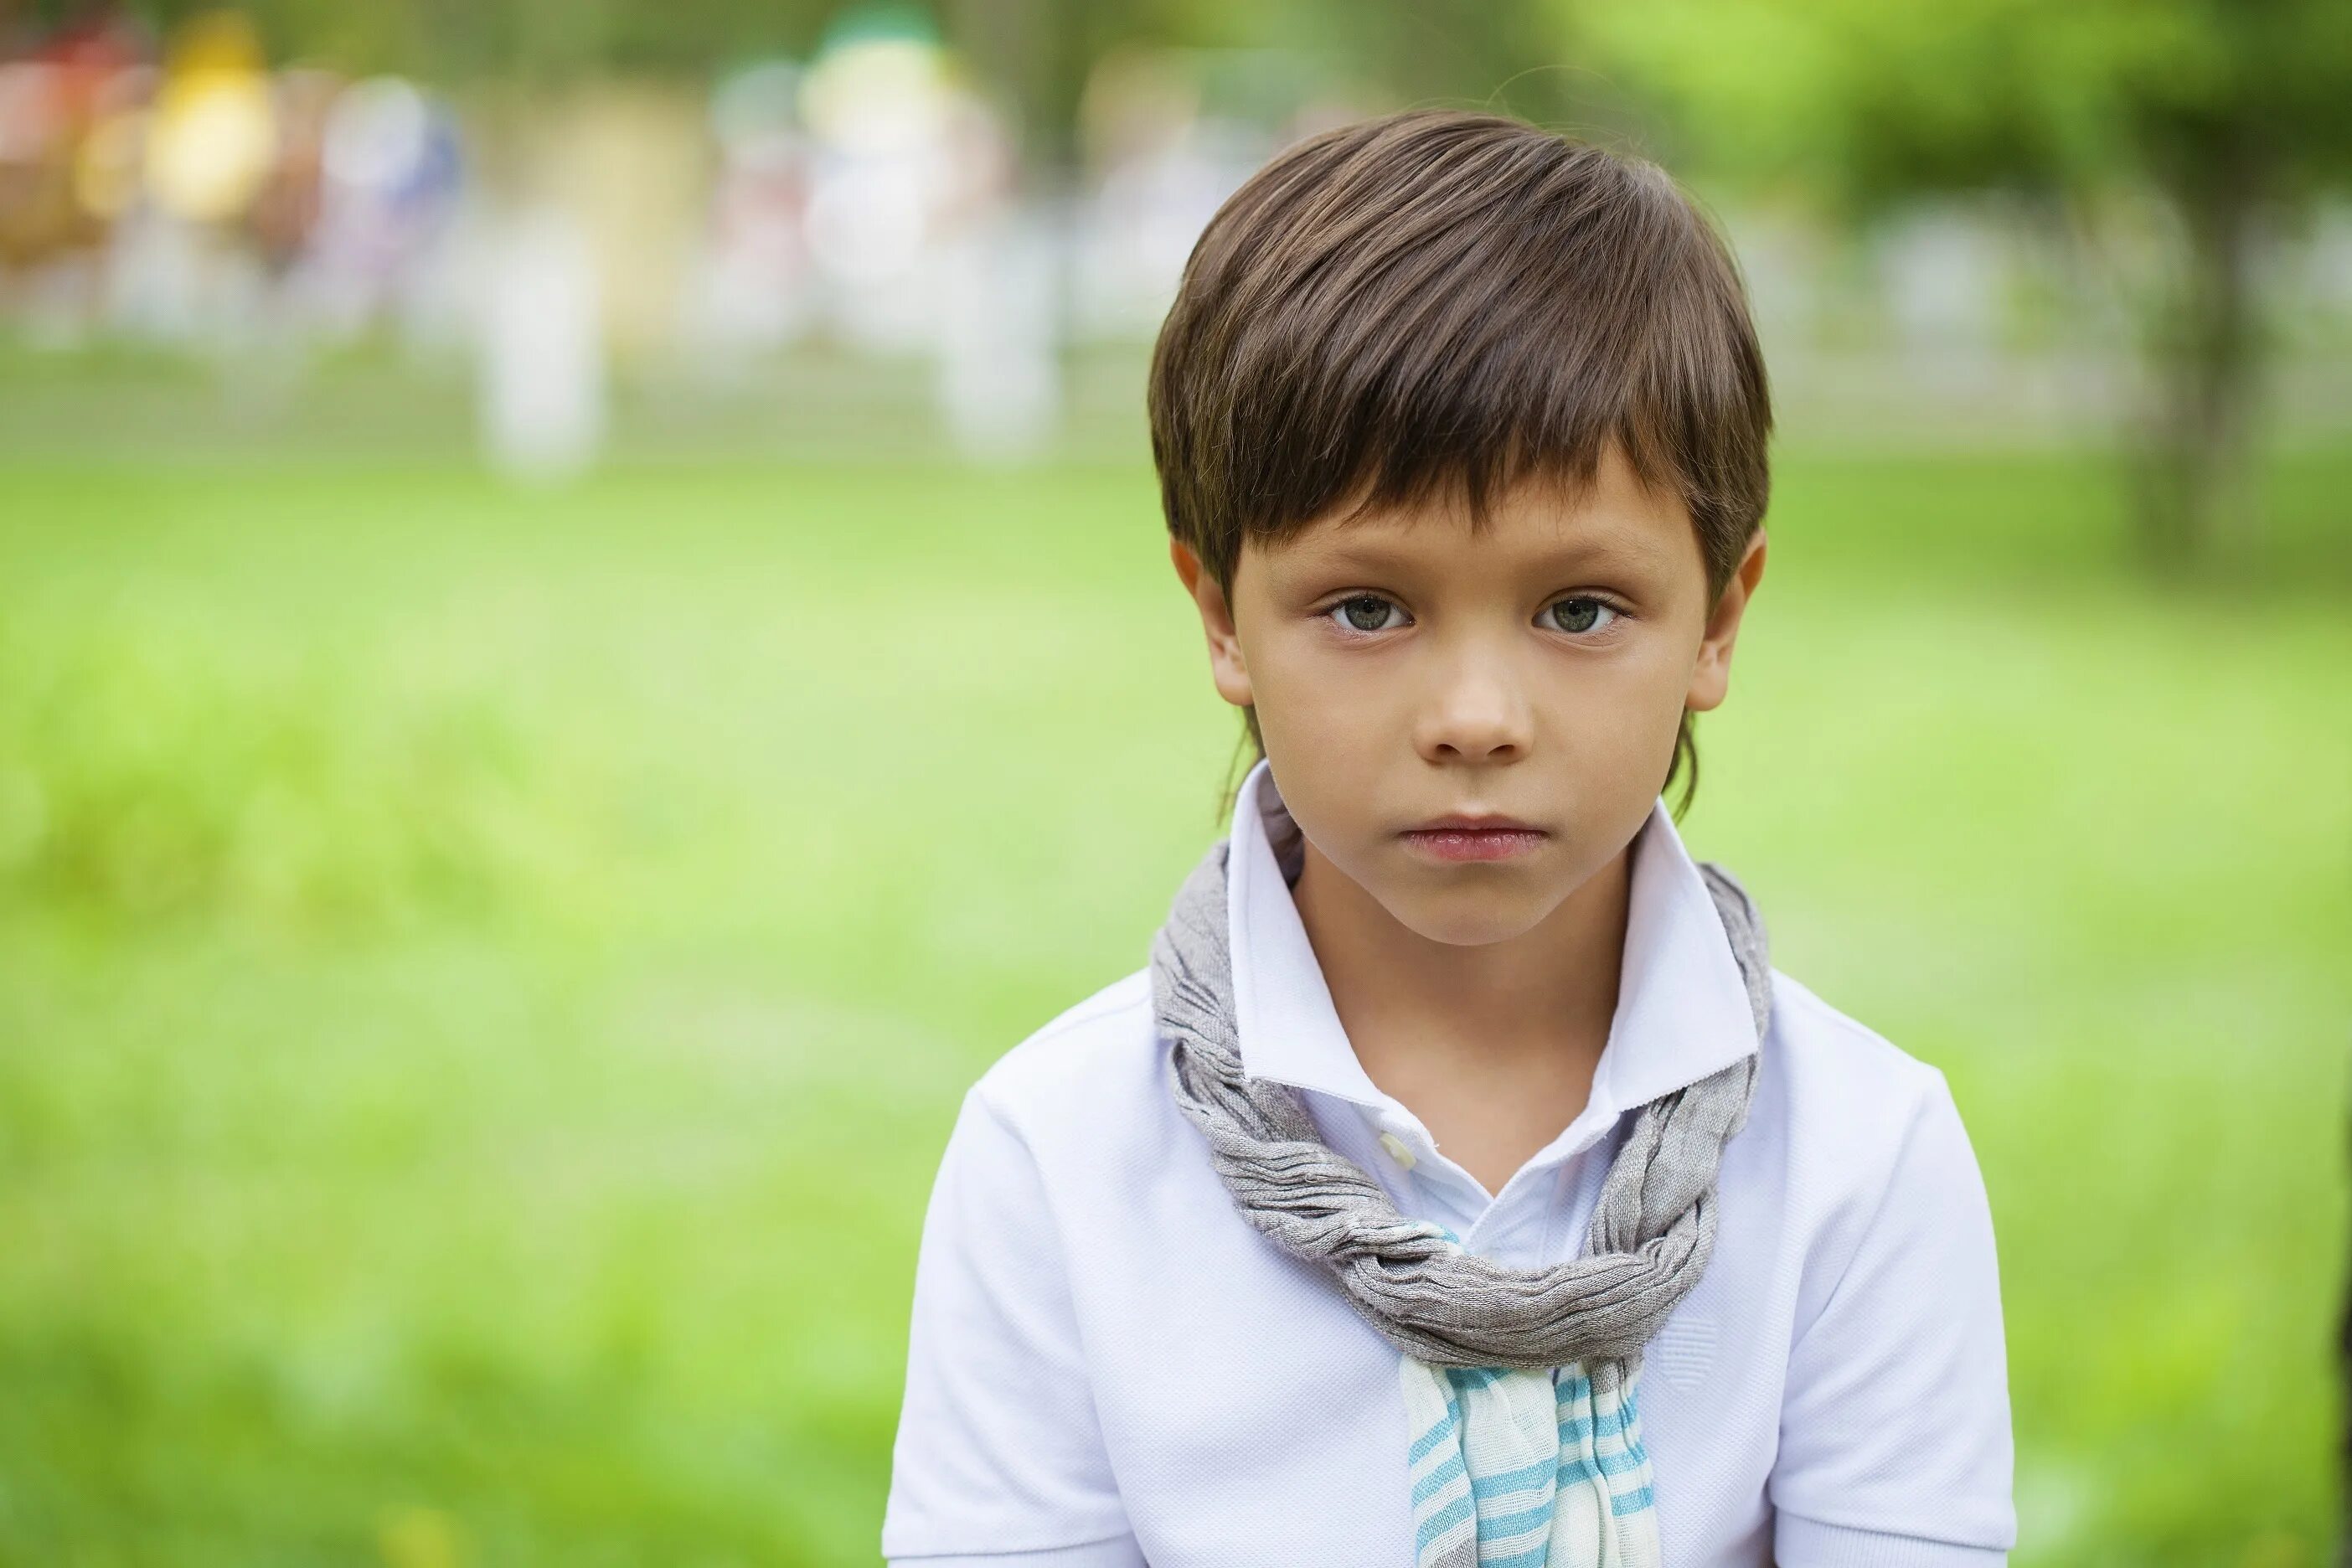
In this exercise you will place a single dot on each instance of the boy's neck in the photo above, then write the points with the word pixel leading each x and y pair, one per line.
pixel 1431 1021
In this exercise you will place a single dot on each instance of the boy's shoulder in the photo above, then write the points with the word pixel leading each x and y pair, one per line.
pixel 1079 1058
pixel 1847 1099
pixel 1824 1041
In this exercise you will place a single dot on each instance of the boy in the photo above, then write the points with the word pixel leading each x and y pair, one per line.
pixel 1458 1183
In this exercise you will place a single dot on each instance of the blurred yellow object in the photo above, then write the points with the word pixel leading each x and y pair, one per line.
pixel 215 134
pixel 877 94
pixel 107 169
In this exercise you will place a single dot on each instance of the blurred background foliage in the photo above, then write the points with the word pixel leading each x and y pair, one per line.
pixel 2228 113
pixel 584 640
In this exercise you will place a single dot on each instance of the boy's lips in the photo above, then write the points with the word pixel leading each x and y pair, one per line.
pixel 1474 837
pixel 1474 820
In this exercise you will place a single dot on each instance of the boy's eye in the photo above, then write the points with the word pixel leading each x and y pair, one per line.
pixel 1364 613
pixel 1370 613
pixel 1576 614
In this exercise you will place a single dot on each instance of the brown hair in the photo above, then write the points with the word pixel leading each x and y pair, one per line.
pixel 1439 301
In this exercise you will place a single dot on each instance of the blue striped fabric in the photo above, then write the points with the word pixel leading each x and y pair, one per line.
pixel 1526 1469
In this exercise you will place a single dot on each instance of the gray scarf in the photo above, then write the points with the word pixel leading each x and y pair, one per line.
pixel 1652 1226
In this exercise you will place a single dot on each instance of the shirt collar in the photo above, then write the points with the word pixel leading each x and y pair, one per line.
pixel 1682 1006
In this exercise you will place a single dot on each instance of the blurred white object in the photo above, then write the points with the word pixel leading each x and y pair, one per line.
pixel 886 114
pixel 1944 273
pixel 543 374
pixel 392 174
pixel 1000 381
pixel 379 134
pixel 750 289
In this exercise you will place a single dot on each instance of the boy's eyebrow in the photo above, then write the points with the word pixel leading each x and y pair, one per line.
pixel 1615 548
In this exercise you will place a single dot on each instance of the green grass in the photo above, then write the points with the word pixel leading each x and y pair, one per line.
pixel 485 979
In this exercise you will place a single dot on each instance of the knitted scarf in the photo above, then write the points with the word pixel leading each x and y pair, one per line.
pixel 1524 1441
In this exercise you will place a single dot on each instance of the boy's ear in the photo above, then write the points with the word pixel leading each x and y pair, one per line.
pixel 1225 664
pixel 1711 677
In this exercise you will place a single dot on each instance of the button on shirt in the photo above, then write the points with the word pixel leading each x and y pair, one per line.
pixel 1107 1367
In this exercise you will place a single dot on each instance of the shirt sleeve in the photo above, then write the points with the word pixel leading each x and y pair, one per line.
pixel 999 1454
pixel 1895 1447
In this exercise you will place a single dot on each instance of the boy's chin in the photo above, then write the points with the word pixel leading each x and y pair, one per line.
pixel 1474 912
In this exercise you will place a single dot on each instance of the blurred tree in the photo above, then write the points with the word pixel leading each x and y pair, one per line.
pixel 1501 54
pixel 2236 110
pixel 1034 55
pixel 535 41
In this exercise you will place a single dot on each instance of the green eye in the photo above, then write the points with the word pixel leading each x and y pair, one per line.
pixel 1577 614
pixel 1364 613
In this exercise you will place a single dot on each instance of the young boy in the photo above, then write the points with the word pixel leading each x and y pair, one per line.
pixel 1458 1183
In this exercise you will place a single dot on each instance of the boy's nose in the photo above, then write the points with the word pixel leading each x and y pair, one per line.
pixel 1479 712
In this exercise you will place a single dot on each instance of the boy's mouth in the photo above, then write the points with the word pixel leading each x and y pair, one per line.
pixel 1474 837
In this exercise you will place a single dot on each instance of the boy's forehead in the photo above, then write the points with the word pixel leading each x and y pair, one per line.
pixel 1541 519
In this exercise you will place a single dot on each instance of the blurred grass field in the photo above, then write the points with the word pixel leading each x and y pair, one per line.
pixel 485 978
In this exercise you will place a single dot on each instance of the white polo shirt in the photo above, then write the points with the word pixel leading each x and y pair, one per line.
pixel 1108 1367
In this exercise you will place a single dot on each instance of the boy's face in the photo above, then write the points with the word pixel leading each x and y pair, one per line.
pixel 1404 670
